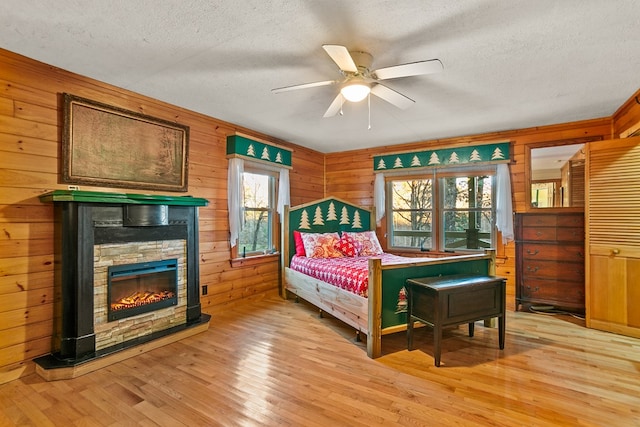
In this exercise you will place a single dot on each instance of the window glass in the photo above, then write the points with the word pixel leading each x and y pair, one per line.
pixel 412 213
pixel 467 212
pixel 256 236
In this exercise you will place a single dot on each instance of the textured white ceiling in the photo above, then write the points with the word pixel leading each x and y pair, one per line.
pixel 508 64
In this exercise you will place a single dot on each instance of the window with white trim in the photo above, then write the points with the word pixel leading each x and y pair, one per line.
pixel 442 211
pixel 259 217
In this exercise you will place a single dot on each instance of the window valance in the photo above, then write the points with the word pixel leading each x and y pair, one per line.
pixel 444 157
pixel 241 146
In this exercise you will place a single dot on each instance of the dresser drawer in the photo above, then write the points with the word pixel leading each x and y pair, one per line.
pixel 539 221
pixel 566 271
pixel 539 233
pixel 553 292
pixel 552 234
pixel 539 251
pixel 570 221
pixel 570 234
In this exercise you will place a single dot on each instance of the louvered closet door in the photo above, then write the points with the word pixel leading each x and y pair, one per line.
pixel 613 236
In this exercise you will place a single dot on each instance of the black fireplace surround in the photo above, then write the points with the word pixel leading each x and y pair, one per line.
pixel 84 219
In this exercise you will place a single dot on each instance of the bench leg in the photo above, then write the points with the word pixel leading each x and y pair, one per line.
pixel 472 327
pixel 409 334
pixel 437 343
pixel 501 330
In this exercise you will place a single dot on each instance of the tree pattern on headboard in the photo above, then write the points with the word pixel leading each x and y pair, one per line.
pixel 327 215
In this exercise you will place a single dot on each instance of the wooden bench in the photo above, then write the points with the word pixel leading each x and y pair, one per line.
pixel 454 300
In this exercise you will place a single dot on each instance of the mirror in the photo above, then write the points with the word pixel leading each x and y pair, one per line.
pixel 556 176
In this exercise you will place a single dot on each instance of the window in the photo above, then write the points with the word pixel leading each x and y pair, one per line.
pixel 467 212
pixel 444 211
pixel 258 214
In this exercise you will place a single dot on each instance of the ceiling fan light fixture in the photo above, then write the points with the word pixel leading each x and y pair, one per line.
pixel 355 92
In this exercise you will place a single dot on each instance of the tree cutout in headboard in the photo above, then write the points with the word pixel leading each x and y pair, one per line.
pixel 304 221
pixel 331 214
pixel 344 218
pixel 317 218
pixel 356 220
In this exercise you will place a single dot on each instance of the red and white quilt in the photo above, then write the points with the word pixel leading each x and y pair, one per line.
pixel 349 273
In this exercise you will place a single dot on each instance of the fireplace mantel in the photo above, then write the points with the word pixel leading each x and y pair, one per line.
pixel 120 198
pixel 84 219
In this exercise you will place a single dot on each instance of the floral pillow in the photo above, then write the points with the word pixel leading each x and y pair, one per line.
pixel 321 245
pixel 297 238
pixel 348 246
pixel 368 241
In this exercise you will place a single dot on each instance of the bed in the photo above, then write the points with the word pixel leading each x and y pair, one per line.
pixel 374 308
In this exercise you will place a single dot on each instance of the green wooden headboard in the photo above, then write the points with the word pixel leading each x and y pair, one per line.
pixel 326 215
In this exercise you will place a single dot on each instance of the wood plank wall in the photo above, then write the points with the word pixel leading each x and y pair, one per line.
pixel 627 118
pixel 349 175
pixel 30 131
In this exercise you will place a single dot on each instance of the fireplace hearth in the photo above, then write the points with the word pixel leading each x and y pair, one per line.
pixel 124 276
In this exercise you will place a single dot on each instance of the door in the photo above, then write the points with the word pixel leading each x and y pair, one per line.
pixel 613 236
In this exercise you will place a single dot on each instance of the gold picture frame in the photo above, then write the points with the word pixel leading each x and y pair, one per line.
pixel 113 147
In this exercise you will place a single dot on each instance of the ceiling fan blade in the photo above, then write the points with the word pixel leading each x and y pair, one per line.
pixel 304 86
pixel 392 97
pixel 406 70
pixel 335 106
pixel 341 57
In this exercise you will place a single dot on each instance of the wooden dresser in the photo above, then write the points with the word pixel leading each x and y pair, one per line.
pixel 550 260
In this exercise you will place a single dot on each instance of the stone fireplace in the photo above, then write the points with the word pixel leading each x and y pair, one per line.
pixel 126 275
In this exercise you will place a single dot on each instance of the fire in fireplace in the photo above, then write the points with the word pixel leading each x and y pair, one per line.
pixel 139 288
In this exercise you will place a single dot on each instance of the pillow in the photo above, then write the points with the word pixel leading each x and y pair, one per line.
pixel 320 245
pixel 347 245
pixel 297 238
pixel 368 241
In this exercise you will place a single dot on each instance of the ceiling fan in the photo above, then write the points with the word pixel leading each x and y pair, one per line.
pixel 359 80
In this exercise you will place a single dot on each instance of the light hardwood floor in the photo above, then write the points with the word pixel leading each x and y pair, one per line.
pixel 272 362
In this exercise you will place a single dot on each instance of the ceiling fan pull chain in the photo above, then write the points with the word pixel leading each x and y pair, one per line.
pixel 369 104
pixel 341 104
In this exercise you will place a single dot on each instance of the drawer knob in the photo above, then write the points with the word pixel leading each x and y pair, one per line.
pixel 534 269
pixel 530 252
pixel 615 251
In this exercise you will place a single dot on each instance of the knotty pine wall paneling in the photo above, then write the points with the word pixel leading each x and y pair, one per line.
pixel 626 120
pixel 30 129
pixel 349 175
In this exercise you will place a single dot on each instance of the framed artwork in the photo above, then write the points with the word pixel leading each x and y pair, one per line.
pixel 112 147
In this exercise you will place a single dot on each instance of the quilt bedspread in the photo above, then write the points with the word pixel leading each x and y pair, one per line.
pixel 348 273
